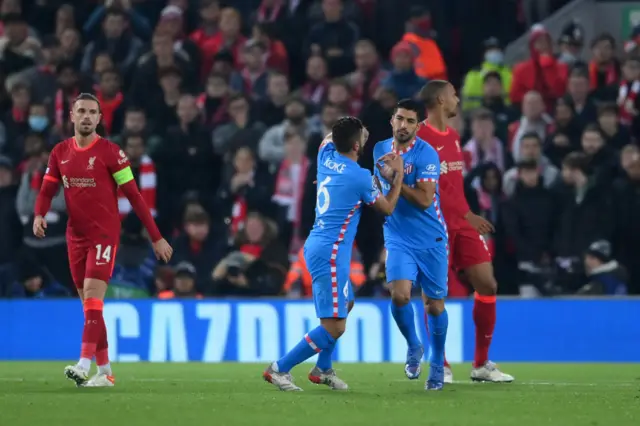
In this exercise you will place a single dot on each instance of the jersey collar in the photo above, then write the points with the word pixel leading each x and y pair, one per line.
pixel 405 149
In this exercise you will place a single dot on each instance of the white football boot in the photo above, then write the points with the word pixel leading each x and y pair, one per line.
pixel 101 380
pixel 489 373
pixel 76 374
pixel 327 377
pixel 448 375
pixel 282 381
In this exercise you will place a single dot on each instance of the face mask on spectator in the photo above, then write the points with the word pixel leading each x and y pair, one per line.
pixel 38 123
pixel 567 58
pixel 494 57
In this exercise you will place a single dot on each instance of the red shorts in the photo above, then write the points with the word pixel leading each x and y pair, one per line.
pixel 467 248
pixel 90 260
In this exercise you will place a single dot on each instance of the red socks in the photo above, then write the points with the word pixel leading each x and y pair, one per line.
pixel 484 316
pixel 102 349
pixel 94 327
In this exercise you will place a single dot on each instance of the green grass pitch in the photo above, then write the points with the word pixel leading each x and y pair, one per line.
pixel 36 394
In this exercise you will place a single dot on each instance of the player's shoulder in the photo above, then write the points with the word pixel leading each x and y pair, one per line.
pixel 453 133
pixel 422 146
pixel 382 147
pixel 111 147
pixel 63 146
pixel 360 176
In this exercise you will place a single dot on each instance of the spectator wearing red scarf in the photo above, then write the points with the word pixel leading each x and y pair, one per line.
pixel 144 171
pixel 604 68
pixel 339 94
pixel 276 57
pixel 629 95
pixel 259 265
pixel 314 90
pixel 229 37
pixel 289 190
pixel 213 102
pixel 204 36
pixel 254 74
pixel 368 76
pixel 245 188
pixel 272 12
pixel 111 98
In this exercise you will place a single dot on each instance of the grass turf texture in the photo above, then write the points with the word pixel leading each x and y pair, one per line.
pixel 36 393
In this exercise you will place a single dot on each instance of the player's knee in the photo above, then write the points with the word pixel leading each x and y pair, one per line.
pixel 482 279
pixel 434 307
pixel 400 295
pixel 334 326
pixel 487 286
pixel 94 288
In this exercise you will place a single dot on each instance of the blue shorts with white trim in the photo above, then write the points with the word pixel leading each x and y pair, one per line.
pixel 330 284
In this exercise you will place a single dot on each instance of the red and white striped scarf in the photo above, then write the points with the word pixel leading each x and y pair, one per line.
pixel 315 91
pixel 60 107
pixel 212 117
pixel 362 94
pixel 273 12
pixel 627 96
pixel 147 184
pixel 249 79
pixel 286 194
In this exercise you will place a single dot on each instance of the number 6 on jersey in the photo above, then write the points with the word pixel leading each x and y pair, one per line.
pixel 324 192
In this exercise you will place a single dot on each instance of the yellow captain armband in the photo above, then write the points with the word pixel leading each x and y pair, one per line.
pixel 123 176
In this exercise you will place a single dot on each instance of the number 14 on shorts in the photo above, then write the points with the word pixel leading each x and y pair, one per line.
pixel 103 254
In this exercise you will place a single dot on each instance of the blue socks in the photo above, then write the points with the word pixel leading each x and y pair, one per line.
pixel 404 317
pixel 317 340
pixel 438 336
pixel 324 358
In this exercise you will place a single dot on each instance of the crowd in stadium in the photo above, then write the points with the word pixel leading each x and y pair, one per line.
pixel 221 107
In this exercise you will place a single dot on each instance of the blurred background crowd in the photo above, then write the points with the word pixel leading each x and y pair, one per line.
pixel 221 107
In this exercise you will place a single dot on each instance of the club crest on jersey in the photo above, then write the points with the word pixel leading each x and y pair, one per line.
pixel 408 168
pixel 92 161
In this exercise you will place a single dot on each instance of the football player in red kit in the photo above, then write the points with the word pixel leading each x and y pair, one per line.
pixel 90 169
pixel 467 249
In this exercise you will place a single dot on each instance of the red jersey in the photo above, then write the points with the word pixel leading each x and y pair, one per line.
pixel 90 177
pixel 451 182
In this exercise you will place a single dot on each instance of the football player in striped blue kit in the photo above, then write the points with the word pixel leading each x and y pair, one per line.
pixel 415 237
pixel 342 187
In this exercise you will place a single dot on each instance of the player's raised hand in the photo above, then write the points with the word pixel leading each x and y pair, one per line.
pixel 162 250
pixel 482 225
pixel 396 163
pixel 39 226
